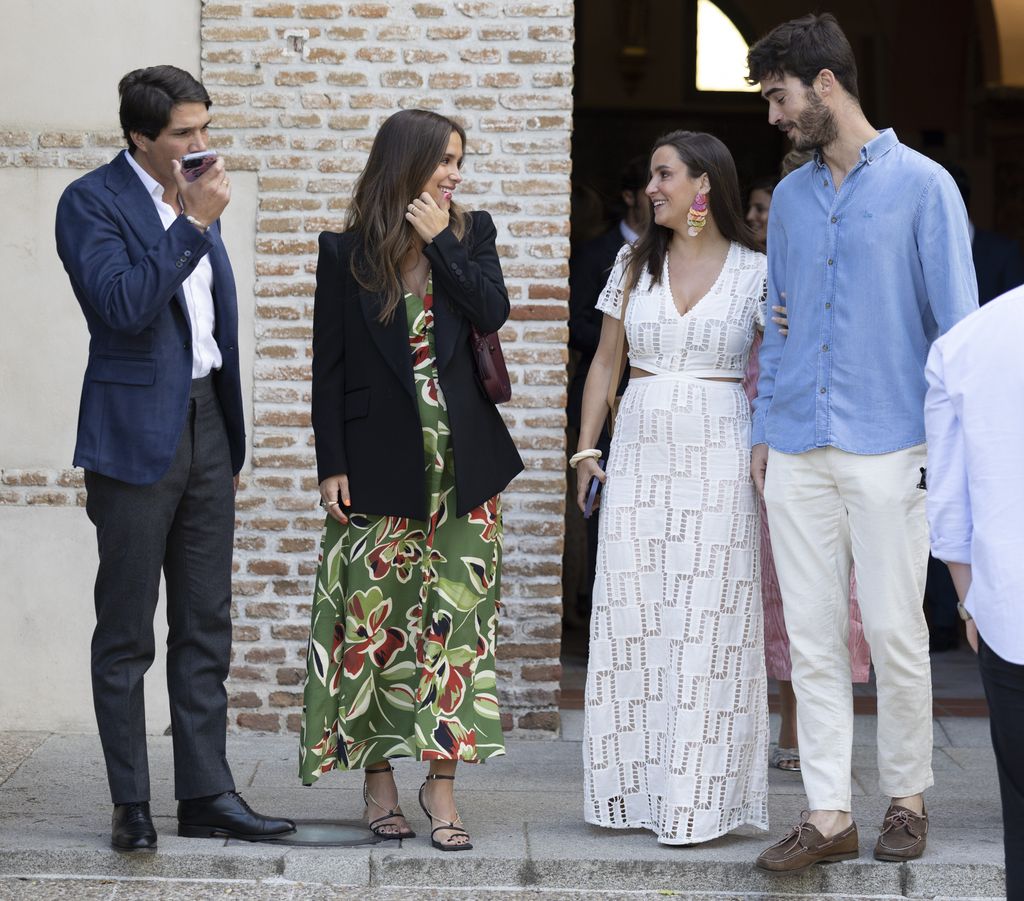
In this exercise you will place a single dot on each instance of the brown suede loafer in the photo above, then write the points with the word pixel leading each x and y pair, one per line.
pixel 804 846
pixel 903 834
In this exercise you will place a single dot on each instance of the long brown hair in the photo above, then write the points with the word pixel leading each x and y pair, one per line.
pixel 700 153
pixel 404 155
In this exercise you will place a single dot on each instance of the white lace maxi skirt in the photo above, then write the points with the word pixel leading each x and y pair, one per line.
pixel 676 721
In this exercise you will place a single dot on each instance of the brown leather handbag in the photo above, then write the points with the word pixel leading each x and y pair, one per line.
pixel 490 365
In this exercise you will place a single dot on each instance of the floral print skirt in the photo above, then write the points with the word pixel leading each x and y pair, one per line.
pixel 400 660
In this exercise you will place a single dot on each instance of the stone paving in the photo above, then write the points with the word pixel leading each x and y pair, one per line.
pixel 523 811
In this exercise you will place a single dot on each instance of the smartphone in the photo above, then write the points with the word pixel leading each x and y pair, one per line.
pixel 195 164
pixel 592 489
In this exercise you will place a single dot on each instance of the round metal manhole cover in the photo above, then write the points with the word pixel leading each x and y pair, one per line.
pixel 326 834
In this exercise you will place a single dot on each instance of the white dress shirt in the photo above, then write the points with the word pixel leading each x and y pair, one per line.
pixel 197 288
pixel 974 419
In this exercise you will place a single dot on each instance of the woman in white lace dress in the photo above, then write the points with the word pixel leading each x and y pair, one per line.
pixel 676 730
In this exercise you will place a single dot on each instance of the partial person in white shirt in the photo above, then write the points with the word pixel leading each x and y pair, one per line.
pixel 974 418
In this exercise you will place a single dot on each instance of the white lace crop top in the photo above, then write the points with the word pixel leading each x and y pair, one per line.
pixel 713 339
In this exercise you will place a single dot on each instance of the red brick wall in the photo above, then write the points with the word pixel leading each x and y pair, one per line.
pixel 299 90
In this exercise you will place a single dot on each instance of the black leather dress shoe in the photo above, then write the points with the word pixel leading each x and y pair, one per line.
pixel 227 816
pixel 131 828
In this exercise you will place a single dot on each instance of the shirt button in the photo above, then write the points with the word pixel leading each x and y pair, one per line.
pixel 835 218
pixel 824 347
pixel 824 181
pixel 822 390
pixel 830 262
pixel 828 306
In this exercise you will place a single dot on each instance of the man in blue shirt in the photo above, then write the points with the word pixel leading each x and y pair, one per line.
pixel 869 241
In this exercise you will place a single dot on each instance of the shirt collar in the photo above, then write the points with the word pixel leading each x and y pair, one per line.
pixel 153 187
pixel 627 233
pixel 871 152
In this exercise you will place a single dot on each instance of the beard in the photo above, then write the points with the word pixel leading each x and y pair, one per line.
pixel 816 124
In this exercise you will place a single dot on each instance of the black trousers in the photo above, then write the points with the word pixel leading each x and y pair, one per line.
pixel 1004 691
pixel 184 525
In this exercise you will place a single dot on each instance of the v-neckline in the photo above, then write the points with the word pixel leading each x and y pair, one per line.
pixel 706 294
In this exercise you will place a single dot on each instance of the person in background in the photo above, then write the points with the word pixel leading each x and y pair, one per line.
pixel 411 456
pixel 785 753
pixel 974 420
pixel 842 413
pixel 998 262
pixel 759 201
pixel 589 266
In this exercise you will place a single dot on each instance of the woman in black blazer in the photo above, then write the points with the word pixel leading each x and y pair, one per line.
pixel 411 456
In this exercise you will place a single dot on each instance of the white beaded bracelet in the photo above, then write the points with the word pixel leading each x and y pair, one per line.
pixel 580 456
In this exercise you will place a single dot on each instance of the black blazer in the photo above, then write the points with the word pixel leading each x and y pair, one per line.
pixel 589 266
pixel 365 415
pixel 997 263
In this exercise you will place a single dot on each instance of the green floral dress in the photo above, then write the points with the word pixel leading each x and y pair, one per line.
pixel 401 649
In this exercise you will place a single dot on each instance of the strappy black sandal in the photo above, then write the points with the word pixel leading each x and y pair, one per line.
pixel 456 829
pixel 377 826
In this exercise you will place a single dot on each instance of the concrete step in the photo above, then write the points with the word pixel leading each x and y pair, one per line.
pixel 524 814
pixel 54 888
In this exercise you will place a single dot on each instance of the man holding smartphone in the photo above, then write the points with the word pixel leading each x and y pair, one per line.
pixel 161 438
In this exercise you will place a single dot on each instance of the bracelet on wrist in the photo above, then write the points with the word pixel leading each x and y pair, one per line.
pixel 590 454
pixel 191 220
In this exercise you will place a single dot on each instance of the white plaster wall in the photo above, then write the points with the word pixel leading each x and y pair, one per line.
pixel 61 60
pixel 48 554
pixel 44 342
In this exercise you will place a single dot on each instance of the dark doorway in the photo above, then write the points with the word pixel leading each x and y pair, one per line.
pixel 927 75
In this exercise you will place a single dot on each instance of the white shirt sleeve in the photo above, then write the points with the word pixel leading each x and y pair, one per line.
pixel 949 501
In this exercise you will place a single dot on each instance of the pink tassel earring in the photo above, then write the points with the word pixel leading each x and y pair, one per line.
pixel 697 216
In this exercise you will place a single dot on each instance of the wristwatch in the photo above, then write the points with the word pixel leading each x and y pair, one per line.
pixel 963 611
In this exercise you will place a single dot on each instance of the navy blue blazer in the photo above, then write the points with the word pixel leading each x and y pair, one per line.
pixel 126 272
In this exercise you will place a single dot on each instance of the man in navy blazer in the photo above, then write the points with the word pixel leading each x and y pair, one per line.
pixel 161 438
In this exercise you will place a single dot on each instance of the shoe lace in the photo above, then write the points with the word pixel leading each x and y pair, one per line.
pixel 135 813
pixel 900 819
pixel 243 802
pixel 799 833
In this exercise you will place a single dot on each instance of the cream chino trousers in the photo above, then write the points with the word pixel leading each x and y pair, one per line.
pixel 885 533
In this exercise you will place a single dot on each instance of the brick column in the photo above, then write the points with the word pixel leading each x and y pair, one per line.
pixel 299 91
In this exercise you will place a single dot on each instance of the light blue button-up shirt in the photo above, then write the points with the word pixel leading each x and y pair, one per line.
pixel 872 273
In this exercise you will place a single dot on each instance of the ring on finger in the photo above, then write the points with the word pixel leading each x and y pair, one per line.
pixel 332 504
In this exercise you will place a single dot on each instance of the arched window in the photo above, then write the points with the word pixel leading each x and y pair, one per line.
pixel 721 51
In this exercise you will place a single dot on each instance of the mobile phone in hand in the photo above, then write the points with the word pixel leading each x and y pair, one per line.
pixel 592 489
pixel 195 164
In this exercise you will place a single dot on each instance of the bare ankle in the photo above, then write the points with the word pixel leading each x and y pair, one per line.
pixel 830 822
pixel 911 802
